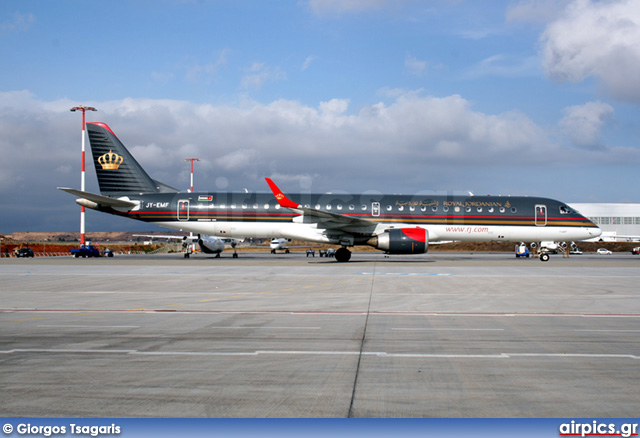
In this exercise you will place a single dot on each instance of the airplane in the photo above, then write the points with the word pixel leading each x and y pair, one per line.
pixel 279 243
pixel 395 224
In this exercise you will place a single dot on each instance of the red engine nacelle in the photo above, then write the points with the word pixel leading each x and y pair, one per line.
pixel 402 241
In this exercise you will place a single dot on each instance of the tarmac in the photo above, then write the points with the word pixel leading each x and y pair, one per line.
pixel 437 335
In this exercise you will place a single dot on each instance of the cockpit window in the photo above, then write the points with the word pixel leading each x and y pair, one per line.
pixel 565 210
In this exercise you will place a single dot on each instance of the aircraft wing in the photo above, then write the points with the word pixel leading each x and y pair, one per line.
pixel 324 218
pixel 103 201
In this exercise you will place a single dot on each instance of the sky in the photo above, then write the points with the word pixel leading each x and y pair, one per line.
pixel 513 97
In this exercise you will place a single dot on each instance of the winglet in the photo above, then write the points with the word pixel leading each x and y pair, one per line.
pixel 281 197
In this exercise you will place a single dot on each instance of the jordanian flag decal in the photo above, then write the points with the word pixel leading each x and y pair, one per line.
pixel 205 198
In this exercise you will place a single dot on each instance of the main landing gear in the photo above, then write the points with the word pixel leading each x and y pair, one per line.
pixel 343 255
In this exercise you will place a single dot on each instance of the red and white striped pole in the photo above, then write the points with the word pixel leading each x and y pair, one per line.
pixel 83 109
pixel 192 160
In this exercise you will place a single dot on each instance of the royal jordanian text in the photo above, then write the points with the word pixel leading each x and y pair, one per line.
pixel 73 429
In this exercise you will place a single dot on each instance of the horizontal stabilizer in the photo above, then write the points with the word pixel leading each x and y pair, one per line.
pixel 103 201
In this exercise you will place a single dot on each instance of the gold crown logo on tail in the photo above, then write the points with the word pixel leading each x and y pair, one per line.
pixel 110 160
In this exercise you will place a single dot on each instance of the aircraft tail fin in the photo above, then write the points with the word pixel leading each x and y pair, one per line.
pixel 118 172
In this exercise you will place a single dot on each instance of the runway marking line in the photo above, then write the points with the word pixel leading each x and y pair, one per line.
pixel 287 290
pixel 267 292
pixel 238 296
pixel 210 299
pixel 380 354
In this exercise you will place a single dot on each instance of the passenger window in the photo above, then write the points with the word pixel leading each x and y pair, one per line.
pixel 434 208
pixel 513 209
pixel 352 207
pixel 401 208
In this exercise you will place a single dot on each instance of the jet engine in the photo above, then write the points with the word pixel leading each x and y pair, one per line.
pixel 402 241
pixel 210 244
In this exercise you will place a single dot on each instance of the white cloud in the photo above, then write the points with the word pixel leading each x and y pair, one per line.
pixel 596 39
pixel 207 70
pixel 307 62
pixel 414 65
pixel 583 124
pixel 505 66
pixel 18 22
pixel 542 11
pixel 260 73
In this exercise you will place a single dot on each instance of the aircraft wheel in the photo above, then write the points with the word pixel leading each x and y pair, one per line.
pixel 343 255
pixel 235 256
pixel 544 257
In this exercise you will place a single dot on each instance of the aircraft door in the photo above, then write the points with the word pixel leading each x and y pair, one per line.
pixel 183 210
pixel 375 209
pixel 541 215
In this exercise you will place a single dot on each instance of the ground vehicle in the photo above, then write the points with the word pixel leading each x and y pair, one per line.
pixel 603 251
pixel 636 250
pixel 87 250
pixel 23 252
pixel 522 251
pixel 327 252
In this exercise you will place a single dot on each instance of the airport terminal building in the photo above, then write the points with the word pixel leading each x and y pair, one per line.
pixel 618 222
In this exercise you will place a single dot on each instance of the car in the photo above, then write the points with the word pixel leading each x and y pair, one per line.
pixel 636 250
pixel 603 251
pixel 24 252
